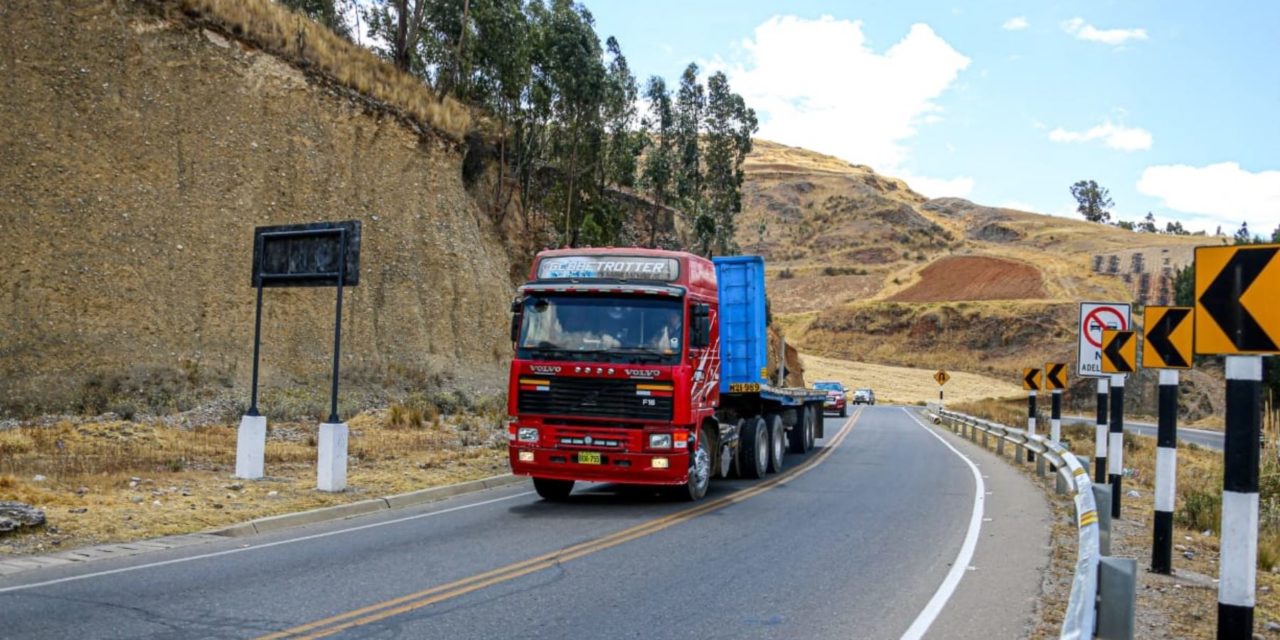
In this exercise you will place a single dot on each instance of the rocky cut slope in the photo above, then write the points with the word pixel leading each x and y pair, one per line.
pixel 139 153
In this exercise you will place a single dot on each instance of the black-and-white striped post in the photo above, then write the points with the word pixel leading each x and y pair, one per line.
pixel 1100 434
pixel 1031 422
pixel 1166 473
pixel 1239 555
pixel 1055 421
pixel 1115 445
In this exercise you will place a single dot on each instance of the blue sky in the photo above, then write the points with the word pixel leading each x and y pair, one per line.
pixel 1173 106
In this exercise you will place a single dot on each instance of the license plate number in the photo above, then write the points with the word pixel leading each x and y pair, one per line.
pixel 588 457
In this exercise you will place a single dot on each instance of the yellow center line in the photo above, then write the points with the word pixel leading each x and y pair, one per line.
pixel 403 604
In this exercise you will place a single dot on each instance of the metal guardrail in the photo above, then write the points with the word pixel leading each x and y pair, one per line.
pixel 1073 477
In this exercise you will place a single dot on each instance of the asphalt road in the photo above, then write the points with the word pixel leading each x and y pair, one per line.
pixel 857 541
pixel 1208 439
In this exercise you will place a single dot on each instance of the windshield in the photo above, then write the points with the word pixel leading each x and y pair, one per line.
pixel 631 330
pixel 828 386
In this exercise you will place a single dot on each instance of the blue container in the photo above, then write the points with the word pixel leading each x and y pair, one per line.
pixel 743 341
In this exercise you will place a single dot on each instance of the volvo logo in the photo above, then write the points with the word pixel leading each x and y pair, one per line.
pixel 643 373
pixel 544 369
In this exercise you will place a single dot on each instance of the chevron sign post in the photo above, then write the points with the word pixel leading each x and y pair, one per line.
pixel 1119 357
pixel 1238 315
pixel 1166 346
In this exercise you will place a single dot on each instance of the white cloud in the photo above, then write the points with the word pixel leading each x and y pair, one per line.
pixel 959 187
pixel 1016 23
pixel 853 103
pixel 1085 31
pixel 1113 135
pixel 1217 194
pixel 1018 205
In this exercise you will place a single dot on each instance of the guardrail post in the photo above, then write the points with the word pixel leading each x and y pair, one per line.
pixel 1000 446
pixel 973 433
pixel 1102 498
pixel 1060 484
pixel 1040 466
pixel 1019 452
pixel 984 439
pixel 1117 595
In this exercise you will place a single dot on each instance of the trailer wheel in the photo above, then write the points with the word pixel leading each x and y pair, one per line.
pixel 753 455
pixel 796 437
pixel 812 416
pixel 699 471
pixel 552 490
pixel 777 444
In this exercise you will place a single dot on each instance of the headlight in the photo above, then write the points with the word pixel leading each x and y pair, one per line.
pixel 659 441
pixel 527 434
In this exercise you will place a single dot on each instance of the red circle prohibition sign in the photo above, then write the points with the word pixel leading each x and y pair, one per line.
pixel 1094 320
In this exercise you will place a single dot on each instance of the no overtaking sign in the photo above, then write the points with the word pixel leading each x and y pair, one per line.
pixel 1094 318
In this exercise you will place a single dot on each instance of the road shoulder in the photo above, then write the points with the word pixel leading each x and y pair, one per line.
pixel 1000 594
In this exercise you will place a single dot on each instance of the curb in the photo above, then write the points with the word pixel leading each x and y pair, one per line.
pixel 21 564
pixel 268 524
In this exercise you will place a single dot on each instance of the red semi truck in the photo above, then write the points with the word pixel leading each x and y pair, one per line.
pixel 648 367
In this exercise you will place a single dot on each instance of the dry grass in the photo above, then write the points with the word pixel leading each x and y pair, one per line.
pixel 120 480
pixel 316 49
pixel 905 385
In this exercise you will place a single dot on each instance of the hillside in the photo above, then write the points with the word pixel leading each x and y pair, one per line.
pixel 862 268
pixel 140 152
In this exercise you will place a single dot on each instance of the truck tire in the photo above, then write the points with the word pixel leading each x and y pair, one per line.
pixel 552 490
pixel 699 471
pixel 812 416
pixel 796 436
pixel 844 411
pixel 777 443
pixel 729 454
pixel 753 455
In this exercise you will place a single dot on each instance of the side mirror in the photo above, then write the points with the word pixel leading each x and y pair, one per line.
pixel 700 332
pixel 517 317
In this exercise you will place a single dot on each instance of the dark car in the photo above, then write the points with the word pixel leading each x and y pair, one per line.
pixel 836 396
pixel 864 396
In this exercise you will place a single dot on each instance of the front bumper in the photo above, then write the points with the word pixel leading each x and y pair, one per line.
pixel 615 466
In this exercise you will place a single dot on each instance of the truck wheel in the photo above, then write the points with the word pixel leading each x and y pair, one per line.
pixel 552 490
pixel 777 445
pixel 753 455
pixel 810 425
pixel 796 437
pixel 699 471
pixel 844 411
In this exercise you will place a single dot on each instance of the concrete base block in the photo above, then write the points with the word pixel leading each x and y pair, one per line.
pixel 331 468
pixel 251 443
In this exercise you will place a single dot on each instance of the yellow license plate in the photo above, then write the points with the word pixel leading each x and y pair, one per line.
pixel 588 457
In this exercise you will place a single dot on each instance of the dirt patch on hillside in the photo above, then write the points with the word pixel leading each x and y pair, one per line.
pixel 975 278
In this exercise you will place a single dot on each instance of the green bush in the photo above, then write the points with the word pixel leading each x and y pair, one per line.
pixel 1200 510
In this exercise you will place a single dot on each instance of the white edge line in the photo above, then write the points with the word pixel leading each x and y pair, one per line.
pixel 961 564
pixel 267 545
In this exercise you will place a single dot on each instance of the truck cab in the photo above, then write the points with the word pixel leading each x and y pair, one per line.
pixel 616 370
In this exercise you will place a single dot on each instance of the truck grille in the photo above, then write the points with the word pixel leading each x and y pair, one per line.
pixel 594 397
